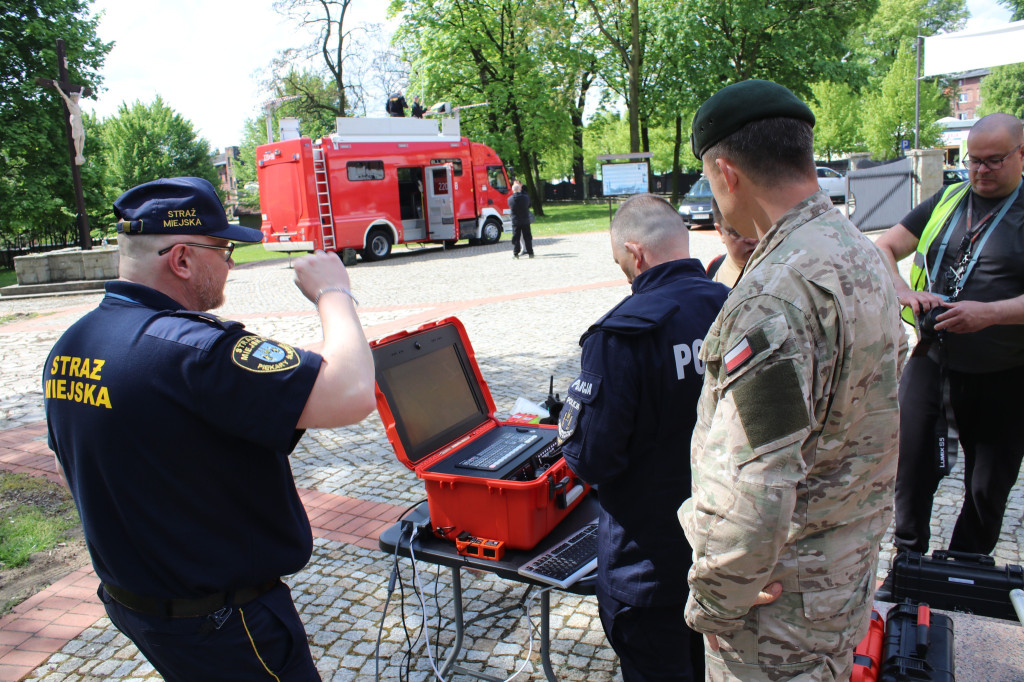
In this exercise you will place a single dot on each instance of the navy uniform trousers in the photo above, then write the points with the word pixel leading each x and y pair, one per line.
pixel 261 640
pixel 653 643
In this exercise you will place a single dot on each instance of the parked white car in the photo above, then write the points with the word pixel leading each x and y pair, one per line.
pixel 832 182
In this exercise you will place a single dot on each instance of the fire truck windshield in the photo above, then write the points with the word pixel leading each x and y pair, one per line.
pixel 496 176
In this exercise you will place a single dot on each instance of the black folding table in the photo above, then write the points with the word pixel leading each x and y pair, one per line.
pixel 431 549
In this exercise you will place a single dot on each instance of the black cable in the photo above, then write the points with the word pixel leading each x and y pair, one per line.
pixel 395 576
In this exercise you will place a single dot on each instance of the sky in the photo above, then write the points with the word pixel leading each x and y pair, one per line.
pixel 205 58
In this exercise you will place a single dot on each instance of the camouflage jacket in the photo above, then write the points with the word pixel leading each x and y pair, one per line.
pixel 794 452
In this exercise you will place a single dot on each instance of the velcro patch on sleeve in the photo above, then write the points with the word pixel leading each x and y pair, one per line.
pixel 749 346
pixel 771 403
pixel 585 387
pixel 257 354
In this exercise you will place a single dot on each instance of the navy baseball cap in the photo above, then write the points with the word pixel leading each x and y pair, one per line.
pixel 178 206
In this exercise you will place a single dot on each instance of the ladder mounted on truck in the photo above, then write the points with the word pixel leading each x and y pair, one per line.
pixel 323 197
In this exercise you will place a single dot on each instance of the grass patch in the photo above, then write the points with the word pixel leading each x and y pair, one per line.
pixel 250 253
pixel 572 218
pixel 35 515
pixel 8 277
pixel 557 219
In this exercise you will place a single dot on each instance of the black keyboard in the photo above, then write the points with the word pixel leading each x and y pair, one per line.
pixel 498 453
pixel 566 562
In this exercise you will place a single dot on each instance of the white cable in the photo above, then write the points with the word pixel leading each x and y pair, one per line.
pixel 425 629
pixel 530 632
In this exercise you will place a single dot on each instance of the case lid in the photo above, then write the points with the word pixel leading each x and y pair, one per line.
pixel 429 389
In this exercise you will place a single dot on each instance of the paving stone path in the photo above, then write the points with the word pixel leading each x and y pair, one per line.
pixel 524 318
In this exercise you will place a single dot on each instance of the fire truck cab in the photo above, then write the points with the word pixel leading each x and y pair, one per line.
pixel 377 182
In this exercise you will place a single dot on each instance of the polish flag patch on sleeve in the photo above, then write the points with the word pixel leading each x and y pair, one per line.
pixel 749 346
pixel 739 354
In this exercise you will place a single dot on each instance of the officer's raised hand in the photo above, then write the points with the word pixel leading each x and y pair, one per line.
pixel 319 274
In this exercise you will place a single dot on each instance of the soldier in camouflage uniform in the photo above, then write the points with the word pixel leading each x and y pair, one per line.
pixel 794 452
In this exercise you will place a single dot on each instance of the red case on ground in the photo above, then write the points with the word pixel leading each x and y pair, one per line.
pixel 867 657
pixel 517 512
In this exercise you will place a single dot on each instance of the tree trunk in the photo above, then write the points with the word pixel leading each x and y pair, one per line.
pixel 525 163
pixel 634 77
pixel 675 160
pixel 579 174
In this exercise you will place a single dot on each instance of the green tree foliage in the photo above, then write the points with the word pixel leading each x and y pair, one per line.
pixel 471 51
pixel 36 191
pixel 792 42
pixel 1003 90
pixel 253 134
pixel 150 141
pixel 836 110
pixel 1015 6
pixel 896 25
pixel 889 112
pixel 625 32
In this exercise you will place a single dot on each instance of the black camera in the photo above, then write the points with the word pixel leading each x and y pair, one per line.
pixel 928 320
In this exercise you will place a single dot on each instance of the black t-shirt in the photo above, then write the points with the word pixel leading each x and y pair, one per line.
pixel 998 274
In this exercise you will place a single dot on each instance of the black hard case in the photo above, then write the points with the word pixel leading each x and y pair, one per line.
pixel 955 581
pixel 910 655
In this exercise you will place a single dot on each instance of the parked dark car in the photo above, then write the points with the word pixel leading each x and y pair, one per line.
pixel 695 208
pixel 951 176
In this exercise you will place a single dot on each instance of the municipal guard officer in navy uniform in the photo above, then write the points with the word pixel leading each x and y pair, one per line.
pixel 172 428
pixel 626 427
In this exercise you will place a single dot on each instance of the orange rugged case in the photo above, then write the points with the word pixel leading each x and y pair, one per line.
pixel 867 657
pixel 517 512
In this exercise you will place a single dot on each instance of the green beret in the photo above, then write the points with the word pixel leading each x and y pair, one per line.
pixel 736 105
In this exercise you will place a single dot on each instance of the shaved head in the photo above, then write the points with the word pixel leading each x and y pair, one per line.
pixel 649 220
pixel 999 122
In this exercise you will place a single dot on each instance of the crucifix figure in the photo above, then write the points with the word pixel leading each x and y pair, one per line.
pixel 75 129
pixel 75 120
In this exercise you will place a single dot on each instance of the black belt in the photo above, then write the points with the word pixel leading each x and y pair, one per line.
pixel 187 608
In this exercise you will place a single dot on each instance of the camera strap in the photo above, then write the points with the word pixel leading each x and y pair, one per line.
pixel 967 255
pixel 947 435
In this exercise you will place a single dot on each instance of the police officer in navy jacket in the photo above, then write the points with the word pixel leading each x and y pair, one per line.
pixel 626 427
pixel 172 428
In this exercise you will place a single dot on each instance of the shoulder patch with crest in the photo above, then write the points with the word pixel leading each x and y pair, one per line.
pixel 257 354
pixel 582 391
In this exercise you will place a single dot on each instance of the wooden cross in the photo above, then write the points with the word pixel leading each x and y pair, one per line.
pixel 63 83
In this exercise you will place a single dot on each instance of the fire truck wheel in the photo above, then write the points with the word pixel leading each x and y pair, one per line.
pixel 491 232
pixel 378 245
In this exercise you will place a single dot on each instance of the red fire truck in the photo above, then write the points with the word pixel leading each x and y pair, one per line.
pixel 377 182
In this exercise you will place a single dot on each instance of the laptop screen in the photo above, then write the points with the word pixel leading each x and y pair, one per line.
pixel 433 393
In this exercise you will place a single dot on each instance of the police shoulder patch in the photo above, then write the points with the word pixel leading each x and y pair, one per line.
pixel 569 419
pixel 257 354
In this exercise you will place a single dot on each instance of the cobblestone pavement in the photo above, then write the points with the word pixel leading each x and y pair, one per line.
pixel 524 318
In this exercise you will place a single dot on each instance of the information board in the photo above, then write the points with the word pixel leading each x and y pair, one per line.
pixel 623 178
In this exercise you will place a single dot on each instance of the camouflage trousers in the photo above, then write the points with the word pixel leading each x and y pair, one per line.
pixel 794 639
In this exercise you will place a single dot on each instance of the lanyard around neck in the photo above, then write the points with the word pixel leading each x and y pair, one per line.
pixel 988 230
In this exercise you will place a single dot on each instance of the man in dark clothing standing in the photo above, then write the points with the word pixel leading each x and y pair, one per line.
pixel 417 108
pixel 966 297
pixel 626 427
pixel 396 105
pixel 519 206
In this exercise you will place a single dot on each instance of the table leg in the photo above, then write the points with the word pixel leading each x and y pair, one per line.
pixel 545 635
pixel 460 629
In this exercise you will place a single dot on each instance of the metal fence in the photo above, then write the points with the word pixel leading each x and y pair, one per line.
pixel 879 197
